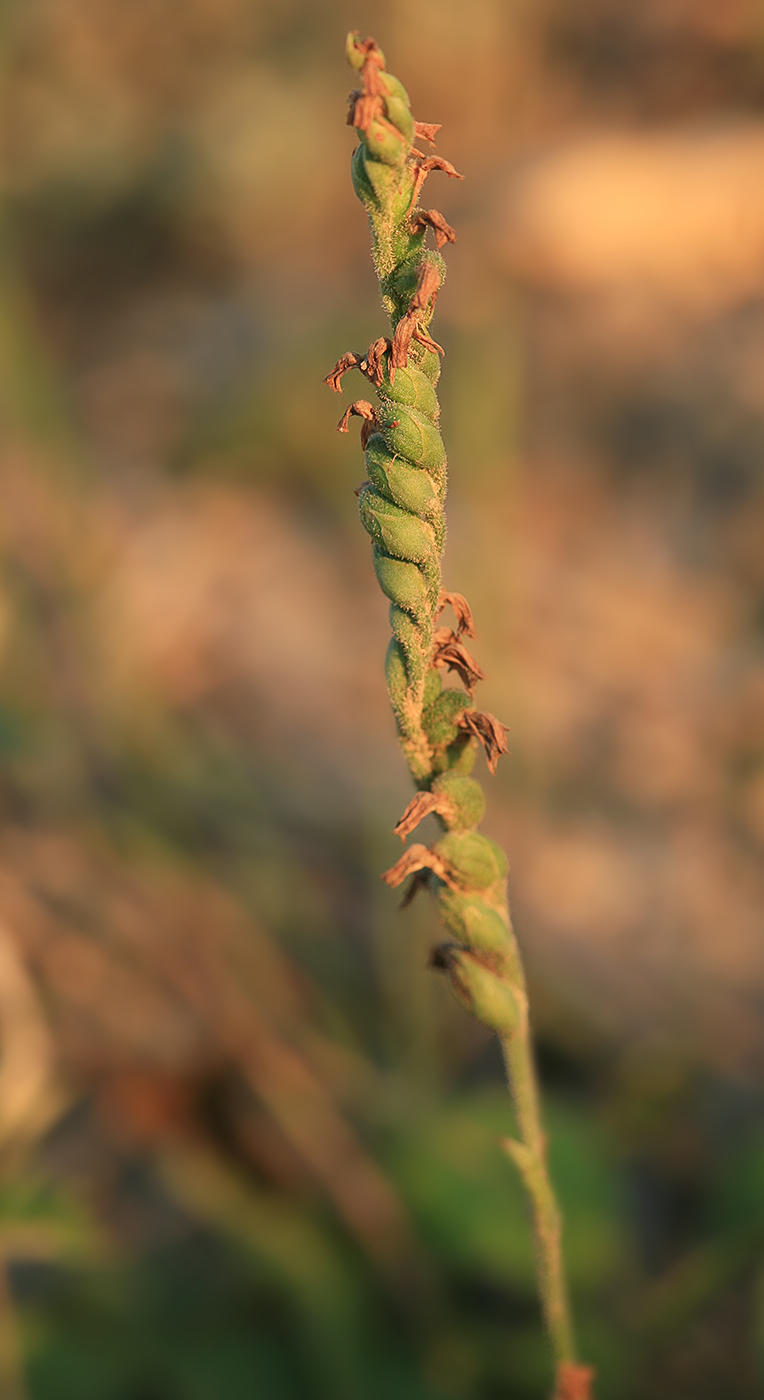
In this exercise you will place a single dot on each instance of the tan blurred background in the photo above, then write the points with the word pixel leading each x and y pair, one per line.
pixel 247 1142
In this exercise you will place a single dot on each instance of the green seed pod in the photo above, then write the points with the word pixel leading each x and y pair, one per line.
pixel 396 531
pixel 409 638
pixel 408 433
pixel 439 720
pixel 464 806
pixel 485 993
pixel 474 923
pixel 402 583
pixel 458 757
pixel 397 109
pixel 409 487
pixel 412 390
pixel 397 677
pixel 361 182
pixel 385 147
pixel 476 862
pixel 432 687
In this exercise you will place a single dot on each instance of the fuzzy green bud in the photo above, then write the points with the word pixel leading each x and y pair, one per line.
pixel 484 992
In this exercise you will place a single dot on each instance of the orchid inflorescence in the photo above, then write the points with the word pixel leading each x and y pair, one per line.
pixel 402 509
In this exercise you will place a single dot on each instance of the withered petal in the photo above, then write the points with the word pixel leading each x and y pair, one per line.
pixel 418 858
pixel 426 130
pixel 427 341
pixel 420 806
pixel 438 163
pixel 372 364
pixel 489 730
pixel 404 333
pixel 432 218
pixel 360 409
pixel 367 108
pixel 465 623
pixel 449 651
pixel 347 361
pixel 427 286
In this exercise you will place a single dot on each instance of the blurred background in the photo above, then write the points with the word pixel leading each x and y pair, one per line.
pixel 248 1142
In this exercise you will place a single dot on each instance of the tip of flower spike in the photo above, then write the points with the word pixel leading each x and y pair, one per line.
pixel 357 51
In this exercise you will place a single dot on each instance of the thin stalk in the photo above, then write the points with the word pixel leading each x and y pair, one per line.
pixel 402 508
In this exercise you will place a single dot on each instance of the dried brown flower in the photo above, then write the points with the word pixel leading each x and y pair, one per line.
pixel 426 131
pixel 350 360
pixel 462 611
pixel 427 287
pixel 420 806
pixel 449 651
pixel 418 858
pixel 433 219
pixel 360 409
pixel 366 105
pixel 489 730
pixel 372 364
pixel 423 165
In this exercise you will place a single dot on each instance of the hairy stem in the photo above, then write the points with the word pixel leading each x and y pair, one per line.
pixel 402 508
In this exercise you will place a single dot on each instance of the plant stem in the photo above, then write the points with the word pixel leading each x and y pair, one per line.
pixel 529 1155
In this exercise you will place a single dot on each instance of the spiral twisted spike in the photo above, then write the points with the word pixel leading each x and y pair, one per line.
pixel 402 508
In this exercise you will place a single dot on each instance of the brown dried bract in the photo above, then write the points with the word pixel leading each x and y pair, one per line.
pixel 462 611
pixel 426 131
pixel 366 105
pixel 427 341
pixel 432 218
pixel 449 651
pixel 408 328
pixel 420 806
pixel 574 1382
pixel 490 731
pixel 363 109
pixel 418 858
pixel 427 287
pixel 404 334
pixel 360 409
pixel 424 164
pixel 334 378
pixel 372 364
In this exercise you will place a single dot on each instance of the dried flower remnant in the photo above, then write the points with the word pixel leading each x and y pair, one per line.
pixel 427 131
pixel 461 610
pixel 449 651
pixel 401 506
pixel 349 360
pixel 432 218
pixel 490 731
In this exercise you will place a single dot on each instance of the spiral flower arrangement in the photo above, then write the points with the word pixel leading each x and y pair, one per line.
pixel 402 508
